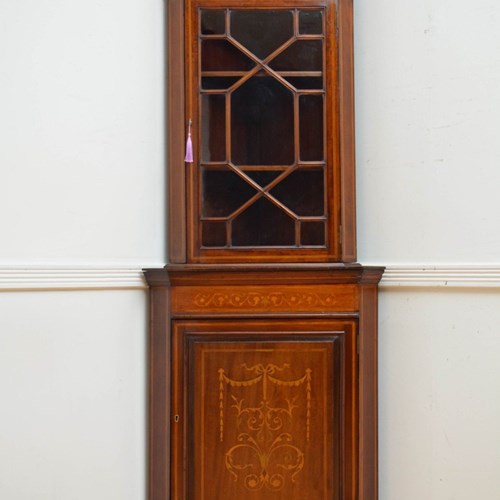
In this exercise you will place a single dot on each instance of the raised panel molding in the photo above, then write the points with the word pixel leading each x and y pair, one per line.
pixel 88 278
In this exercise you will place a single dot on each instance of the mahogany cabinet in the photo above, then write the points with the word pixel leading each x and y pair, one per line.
pixel 263 343
pixel 263 382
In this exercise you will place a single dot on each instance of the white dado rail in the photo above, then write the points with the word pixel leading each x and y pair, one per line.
pixel 452 275
pixel 94 278
pixel 70 278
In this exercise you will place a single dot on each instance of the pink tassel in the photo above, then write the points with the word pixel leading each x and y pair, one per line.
pixel 189 146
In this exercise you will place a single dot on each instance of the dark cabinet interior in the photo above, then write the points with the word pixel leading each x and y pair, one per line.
pixel 262 113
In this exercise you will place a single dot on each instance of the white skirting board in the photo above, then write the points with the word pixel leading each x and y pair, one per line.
pixel 92 278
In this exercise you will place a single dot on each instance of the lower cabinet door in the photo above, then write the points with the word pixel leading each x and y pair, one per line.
pixel 264 409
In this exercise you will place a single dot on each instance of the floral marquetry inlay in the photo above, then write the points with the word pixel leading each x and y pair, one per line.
pixel 255 299
pixel 265 454
pixel 264 298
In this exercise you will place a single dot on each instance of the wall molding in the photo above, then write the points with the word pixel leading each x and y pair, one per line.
pixel 443 275
pixel 95 278
pixel 71 278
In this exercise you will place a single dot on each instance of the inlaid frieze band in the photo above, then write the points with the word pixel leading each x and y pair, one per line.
pixel 276 299
pixel 252 299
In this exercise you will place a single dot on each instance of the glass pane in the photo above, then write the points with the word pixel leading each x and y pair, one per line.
pixel 213 22
pixel 218 82
pixel 261 31
pixel 262 123
pixel 303 55
pixel 306 82
pixel 223 192
pixel 311 127
pixel 263 177
pixel 213 234
pixel 312 233
pixel 213 127
pixel 221 55
pixel 311 22
pixel 302 191
pixel 263 224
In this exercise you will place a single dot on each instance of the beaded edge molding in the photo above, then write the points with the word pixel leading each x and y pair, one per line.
pixel 94 278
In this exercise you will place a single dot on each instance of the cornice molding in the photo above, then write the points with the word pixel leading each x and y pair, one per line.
pixel 95 278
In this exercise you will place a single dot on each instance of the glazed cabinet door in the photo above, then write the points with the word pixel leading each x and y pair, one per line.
pixel 264 410
pixel 262 100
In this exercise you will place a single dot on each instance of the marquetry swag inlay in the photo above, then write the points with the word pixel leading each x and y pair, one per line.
pixel 263 428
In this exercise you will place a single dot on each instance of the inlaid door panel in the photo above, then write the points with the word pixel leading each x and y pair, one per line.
pixel 263 410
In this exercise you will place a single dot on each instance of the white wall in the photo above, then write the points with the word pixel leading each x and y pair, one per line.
pixel 428 112
pixel 81 131
pixel 439 386
pixel 82 184
pixel 73 391
pixel 428 116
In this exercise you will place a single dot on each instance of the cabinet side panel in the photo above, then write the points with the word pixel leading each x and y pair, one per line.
pixel 347 145
pixel 159 399
pixel 175 131
pixel 368 390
